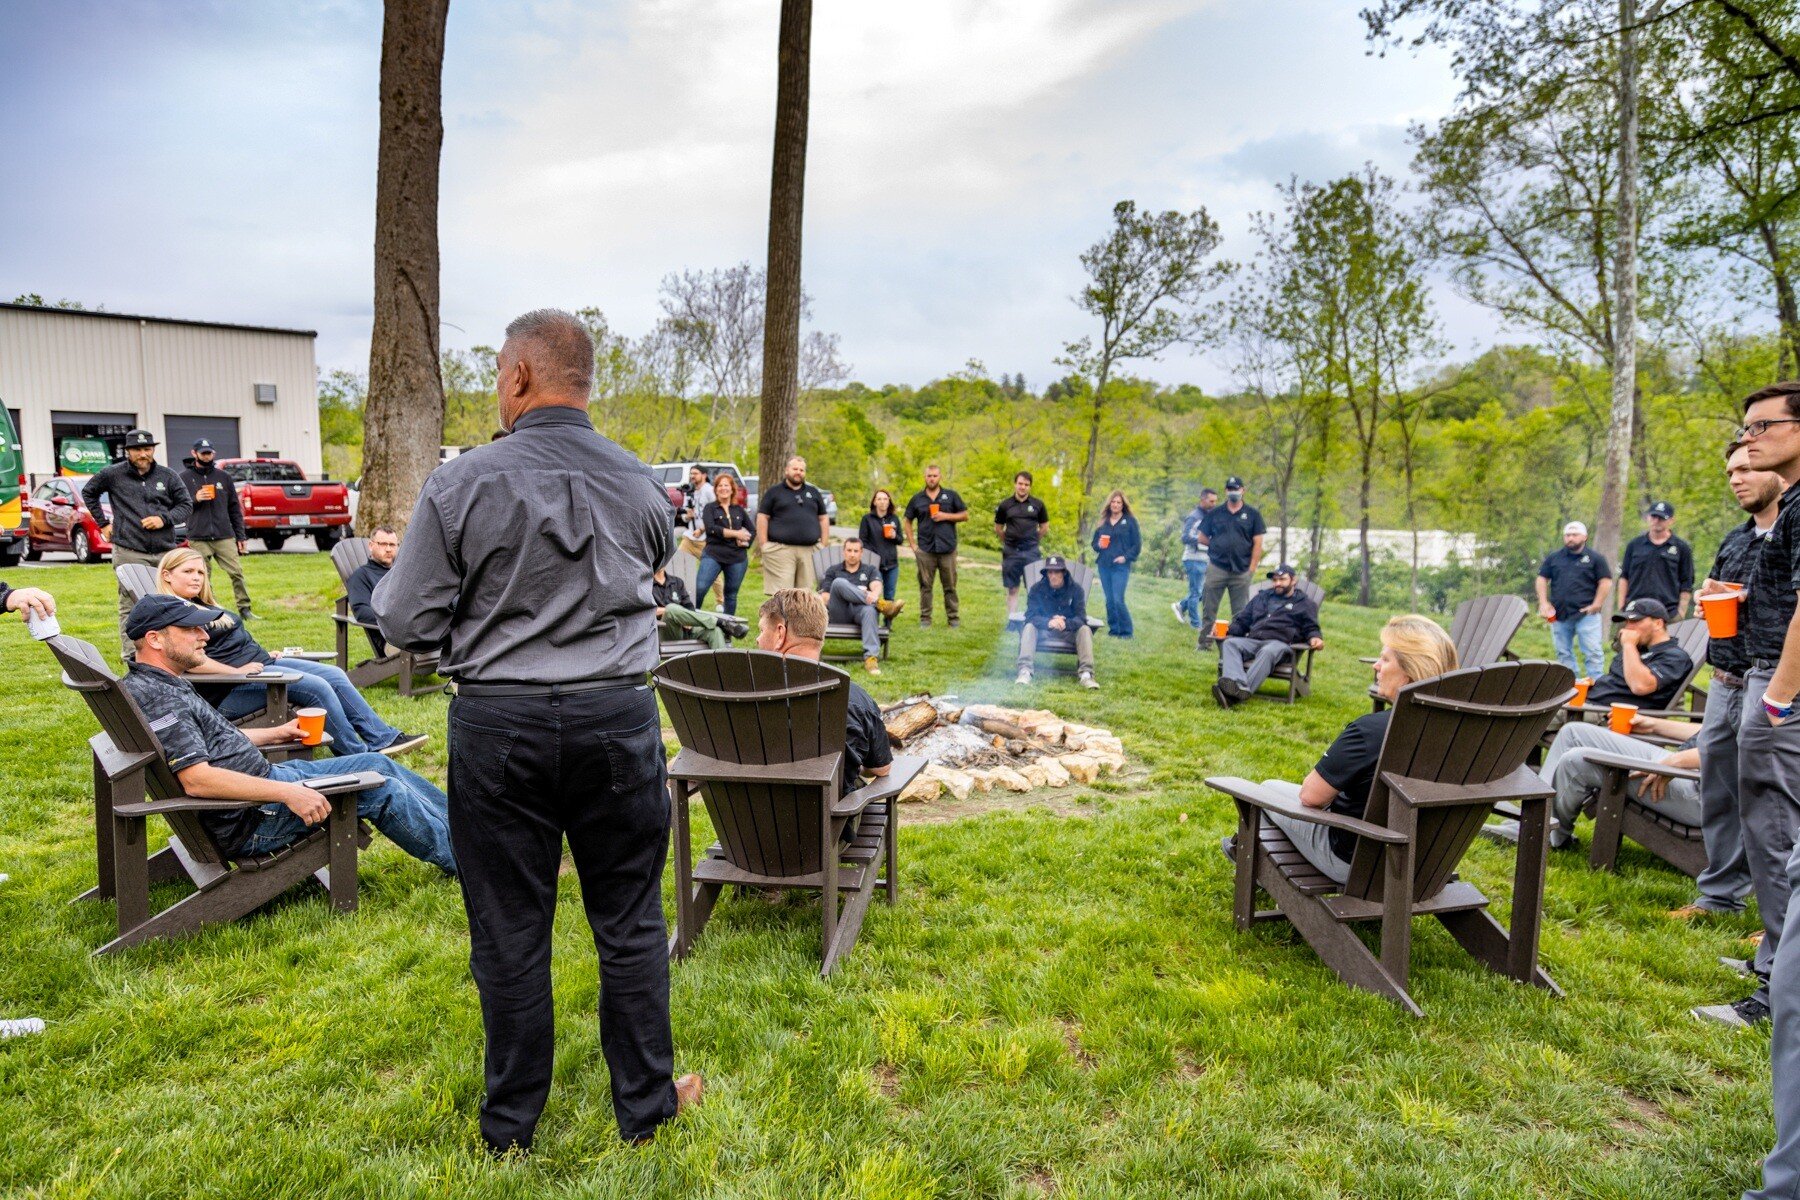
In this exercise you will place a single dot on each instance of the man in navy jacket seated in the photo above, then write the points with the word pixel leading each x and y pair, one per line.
pixel 1263 635
pixel 1056 605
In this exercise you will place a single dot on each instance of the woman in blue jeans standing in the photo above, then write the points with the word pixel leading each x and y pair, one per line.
pixel 883 534
pixel 1116 544
pixel 355 728
pixel 729 530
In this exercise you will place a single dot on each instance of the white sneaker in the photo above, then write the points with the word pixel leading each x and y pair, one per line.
pixel 1175 607
pixel 20 1026
pixel 1024 676
pixel 1089 682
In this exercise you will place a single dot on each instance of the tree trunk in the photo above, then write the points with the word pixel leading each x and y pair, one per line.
pixel 1614 481
pixel 1089 466
pixel 1365 591
pixel 1412 523
pixel 403 420
pixel 780 425
pixel 1787 308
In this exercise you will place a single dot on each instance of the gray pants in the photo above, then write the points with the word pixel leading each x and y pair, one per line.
pixel 1084 648
pixel 849 602
pixel 120 555
pixel 1769 811
pixel 1726 880
pixel 1577 780
pixel 1781 1170
pixel 1218 582
pixel 1248 662
pixel 679 619
pixel 1313 841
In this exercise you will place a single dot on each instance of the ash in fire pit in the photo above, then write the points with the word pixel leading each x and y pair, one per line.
pixel 979 747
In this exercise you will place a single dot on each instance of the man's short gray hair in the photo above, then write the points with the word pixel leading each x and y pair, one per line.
pixel 558 347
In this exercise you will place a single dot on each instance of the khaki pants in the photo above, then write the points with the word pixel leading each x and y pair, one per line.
pixel 788 567
pixel 941 566
pixel 120 557
pixel 226 552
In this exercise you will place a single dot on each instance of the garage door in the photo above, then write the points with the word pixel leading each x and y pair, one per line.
pixel 184 431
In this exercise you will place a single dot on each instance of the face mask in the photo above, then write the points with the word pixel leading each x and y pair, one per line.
pixel 1234 497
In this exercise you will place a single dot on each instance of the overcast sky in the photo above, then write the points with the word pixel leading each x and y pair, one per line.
pixel 217 160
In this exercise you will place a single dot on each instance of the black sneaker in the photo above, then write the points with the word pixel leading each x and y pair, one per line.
pixel 1228 846
pixel 955 622
pixel 1203 645
pixel 1745 1014
pixel 246 615
pixel 1220 696
pixel 734 627
pixel 402 743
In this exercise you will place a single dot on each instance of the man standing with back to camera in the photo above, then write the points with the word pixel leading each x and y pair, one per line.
pixel 529 561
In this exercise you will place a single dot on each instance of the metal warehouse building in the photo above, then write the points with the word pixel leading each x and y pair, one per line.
pixel 71 375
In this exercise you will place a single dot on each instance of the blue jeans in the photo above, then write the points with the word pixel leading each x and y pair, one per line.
pixel 355 728
pixel 709 570
pixel 1113 578
pixel 1196 574
pixel 1587 628
pixel 408 808
pixel 890 582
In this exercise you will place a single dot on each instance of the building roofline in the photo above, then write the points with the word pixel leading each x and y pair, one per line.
pixel 116 316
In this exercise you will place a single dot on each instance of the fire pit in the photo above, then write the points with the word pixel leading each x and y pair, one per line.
pixel 981 747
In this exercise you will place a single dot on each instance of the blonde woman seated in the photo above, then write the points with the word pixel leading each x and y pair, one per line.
pixel 355 728
pixel 1412 648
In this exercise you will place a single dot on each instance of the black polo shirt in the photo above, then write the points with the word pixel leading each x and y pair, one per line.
pixel 1349 766
pixel 865 739
pixel 1020 520
pixel 1230 537
pixel 1667 661
pixel 866 573
pixel 935 537
pixel 1655 572
pixel 1769 603
pixel 1574 577
pixel 1735 563
pixel 793 513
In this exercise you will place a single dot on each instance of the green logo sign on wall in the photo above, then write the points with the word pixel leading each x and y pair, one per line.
pixel 84 456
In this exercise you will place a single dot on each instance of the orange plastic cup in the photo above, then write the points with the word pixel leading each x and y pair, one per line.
pixel 1219 630
pixel 934 512
pixel 1581 687
pixel 312 725
pixel 1619 720
pixel 887 530
pixel 206 493
pixel 1721 613
pixel 1105 540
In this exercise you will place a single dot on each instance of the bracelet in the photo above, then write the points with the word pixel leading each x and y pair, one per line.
pixel 1783 711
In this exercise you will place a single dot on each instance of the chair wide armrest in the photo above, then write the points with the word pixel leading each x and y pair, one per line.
pixel 1627 763
pixel 1261 797
pixel 904 769
pixel 193 804
pixel 695 767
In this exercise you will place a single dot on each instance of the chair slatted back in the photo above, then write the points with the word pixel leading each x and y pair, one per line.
pixel 826 557
pixel 759 709
pixel 123 728
pixel 685 567
pixel 347 556
pixel 1482 628
pixel 1692 637
pixel 1081 575
pixel 137 579
pixel 1470 727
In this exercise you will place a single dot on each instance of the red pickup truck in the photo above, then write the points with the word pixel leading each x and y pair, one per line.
pixel 279 501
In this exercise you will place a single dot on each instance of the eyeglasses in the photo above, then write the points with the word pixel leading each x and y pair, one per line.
pixel 1756 429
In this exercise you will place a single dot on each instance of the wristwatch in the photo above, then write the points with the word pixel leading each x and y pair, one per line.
pixel 1780 712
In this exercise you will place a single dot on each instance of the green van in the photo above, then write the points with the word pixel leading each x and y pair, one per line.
pixel 12 492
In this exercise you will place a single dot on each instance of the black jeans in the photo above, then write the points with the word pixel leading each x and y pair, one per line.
pixel 525 771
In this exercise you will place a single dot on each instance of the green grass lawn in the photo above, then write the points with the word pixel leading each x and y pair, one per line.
pixel 1058 1005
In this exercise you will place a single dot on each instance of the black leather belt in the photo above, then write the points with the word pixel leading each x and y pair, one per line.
pixel 1727 678
pixel 572 688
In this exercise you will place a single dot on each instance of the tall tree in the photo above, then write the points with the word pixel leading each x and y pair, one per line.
pixel 780 421
pixel 403 420
pixel 1146 279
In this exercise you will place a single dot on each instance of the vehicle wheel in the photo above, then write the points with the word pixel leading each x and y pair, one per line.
pixel 325 539
pixel 84 550
pixel 9 555
pixel 274 542
pixel 32 553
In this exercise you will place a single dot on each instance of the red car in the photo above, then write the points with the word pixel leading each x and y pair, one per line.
pixel 60 520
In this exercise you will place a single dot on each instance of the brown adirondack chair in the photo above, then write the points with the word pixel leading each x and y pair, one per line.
pixel 1618 816
pixel 1295 673
pixel 132 782
pixel 1482 629
pixel 685 567
pixel 762 741
pixel 139 581
pixel 1455 746
pixel 402 665
pixel 1057 642
pixel 823 559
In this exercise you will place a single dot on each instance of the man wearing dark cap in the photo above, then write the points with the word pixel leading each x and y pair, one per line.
pixel 1232 534
pixel 1054 605
pixel 1263 635
pixel 148 502
pixel 215 760
pixel 1650 667
pixel 216 528
pixel 529 562
pixel 1657 565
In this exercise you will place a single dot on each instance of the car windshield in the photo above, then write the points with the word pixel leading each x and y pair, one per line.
pixel 265 472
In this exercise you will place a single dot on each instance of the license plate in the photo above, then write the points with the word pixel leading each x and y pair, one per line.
pixel 299 520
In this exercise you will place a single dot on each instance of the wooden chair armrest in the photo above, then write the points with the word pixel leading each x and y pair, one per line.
pixel 1365 659
pixel 1523 784
pixel 901 772
pixel 1667 714
pixel 193 804
pixel 265 677
pixel 1510 810
pixel 288 748
pixel 1261 797
pixel 694 767
pixel 311 655
pixel 1625 762
pixel 347 619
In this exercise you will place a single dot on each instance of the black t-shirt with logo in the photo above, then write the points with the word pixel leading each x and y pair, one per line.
pixel 1020 520
pixel 935 537
pixel 1230 537
pixel 1574 577
pixel 1349 766
pixel 793 513
pixel 1667 661
pixel 866 573
pixel 1655 572
pixel 865 739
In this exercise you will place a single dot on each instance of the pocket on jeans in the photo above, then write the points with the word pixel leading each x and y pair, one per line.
pixel 637 758
pixel 478 756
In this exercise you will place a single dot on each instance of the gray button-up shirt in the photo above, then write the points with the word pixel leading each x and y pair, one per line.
pixel 528 560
